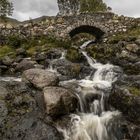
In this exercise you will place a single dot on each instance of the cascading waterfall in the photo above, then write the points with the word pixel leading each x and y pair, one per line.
pixel 94 120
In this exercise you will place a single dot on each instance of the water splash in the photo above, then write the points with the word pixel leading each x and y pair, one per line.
pixel 94 121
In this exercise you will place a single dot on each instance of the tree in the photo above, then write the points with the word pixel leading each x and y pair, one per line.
pixel 6 8
pixel 92 6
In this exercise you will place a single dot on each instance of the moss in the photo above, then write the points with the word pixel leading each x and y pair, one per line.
pixel 6 50
pixel 101 52
pixel 31 51
pixel 73 55
pixel 134 90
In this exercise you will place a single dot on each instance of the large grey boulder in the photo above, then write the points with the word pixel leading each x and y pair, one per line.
pixel 59 101
pixel 40 78
pixel 127 100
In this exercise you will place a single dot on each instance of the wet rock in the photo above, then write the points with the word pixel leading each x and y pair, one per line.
pixel 40 78
pixel 3 111
pixel 42 131
pixel 40 57
pixel 21 115
pixel 11 109
pixel 59 101
pixel 25 65
pixel 3 92
pixel 32 128
pixel 130 131
pixel 67 68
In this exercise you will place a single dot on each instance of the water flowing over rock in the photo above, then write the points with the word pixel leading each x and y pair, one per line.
pixel 95 121
pixel 59 101
pixel 40 78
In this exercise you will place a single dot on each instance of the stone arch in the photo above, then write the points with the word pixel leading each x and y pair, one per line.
pixel 97 32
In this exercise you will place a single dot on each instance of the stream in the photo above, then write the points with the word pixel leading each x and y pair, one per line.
pixel 95 119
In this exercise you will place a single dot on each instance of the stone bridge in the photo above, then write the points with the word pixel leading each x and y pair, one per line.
pixel 65 27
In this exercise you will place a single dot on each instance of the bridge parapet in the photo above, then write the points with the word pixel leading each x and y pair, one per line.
pixel 61 26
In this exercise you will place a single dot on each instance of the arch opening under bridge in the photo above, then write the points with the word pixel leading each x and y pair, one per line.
pixel 96 32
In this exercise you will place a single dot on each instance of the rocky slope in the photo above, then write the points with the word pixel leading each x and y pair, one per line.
pixel 31 109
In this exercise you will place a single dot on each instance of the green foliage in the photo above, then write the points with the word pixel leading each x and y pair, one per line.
pixel 92 6
pixel 14 41
pixel 34 44
pixel 6 8
pixel 73 55
pixel 134 90
pixel 101 52
pixel 130 34
pixel 5 50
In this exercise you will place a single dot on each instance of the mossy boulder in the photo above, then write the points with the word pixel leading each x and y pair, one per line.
pixel 74 55
pixel 6 51
pixel 127 100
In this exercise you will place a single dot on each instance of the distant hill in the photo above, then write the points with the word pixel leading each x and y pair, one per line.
pixel 10 21
pixel 36 20
pixel 15 22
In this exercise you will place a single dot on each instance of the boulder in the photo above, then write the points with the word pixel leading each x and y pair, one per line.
pixel 59 101
pixel 40 78
pixel 21 51
pixel 21 114
pixel 40 56
pixel 127 100
pixel 32 128
pixel 7 60
pixel 138 41
pixel 67 68
pixel 54 54
pixel 25 65
pixel 132 48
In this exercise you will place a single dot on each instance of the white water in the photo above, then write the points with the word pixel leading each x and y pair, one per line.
pixel 93 121
pixel 51 68
pixel 6 79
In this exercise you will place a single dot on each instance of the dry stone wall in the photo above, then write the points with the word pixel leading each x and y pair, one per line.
pixel 61 26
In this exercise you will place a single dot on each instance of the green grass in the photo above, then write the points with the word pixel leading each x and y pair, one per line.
pixel 130 34
pixel 33 44
pixel 5 50
pixel 73 55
